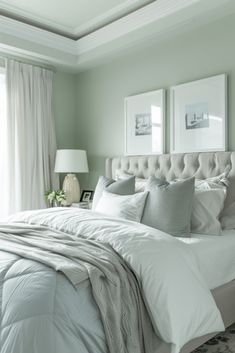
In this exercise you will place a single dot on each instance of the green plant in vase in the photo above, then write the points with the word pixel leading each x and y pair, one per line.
pixel 55 197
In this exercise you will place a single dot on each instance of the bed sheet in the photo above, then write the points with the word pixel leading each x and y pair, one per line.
pixel 215 255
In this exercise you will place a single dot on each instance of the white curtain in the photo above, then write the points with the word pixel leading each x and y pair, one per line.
pixel 30 144
pixel 3 134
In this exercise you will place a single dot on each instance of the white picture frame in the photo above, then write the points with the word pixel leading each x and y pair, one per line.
pixel 199 115
pixel 145 123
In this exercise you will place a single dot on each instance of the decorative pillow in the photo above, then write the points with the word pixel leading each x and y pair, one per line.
pixel 228 217
pixel 123 206
pixel 207 206
pixel 219 181
pixel 120 187
pixel 140 183
pixel 168 206
pixel 208 203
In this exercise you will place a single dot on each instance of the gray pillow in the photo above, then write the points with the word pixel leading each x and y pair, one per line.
pixel 120 187
pixel 168 206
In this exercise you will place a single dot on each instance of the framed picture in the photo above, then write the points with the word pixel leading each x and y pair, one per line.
pixel 199 115
pixel 87 196
pixel 145 123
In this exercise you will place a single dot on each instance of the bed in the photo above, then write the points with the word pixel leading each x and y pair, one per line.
pixel 202 166
pixel 216 261
pixel 43 312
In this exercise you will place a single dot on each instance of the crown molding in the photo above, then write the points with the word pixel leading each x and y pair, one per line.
pixel 36 35
pixel 12 9
pixel 151 13
pixel 156 19
pixel 110 16
pixel 14 12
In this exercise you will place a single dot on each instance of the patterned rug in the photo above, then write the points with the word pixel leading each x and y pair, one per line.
pixel 222 343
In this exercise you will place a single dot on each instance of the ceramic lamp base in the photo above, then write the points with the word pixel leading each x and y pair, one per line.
pixel 72 189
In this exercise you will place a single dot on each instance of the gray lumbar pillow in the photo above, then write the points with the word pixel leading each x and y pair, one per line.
pixel 120 187
pixel 168 206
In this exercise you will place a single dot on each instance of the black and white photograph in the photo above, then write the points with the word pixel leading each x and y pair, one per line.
pixel 87 195
pixel 143 124
pixel 197 116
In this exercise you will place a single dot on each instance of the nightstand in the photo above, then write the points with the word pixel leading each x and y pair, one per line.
pixel 84 205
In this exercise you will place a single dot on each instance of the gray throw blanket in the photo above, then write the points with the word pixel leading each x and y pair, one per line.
pixel 115 288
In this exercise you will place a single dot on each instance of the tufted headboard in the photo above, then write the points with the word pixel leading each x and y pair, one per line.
pixel 174 166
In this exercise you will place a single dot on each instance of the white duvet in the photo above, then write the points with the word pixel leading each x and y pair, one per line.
pixel 215 256
pixel 178 299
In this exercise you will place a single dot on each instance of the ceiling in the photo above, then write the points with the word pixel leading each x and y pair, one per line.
pixel 75 35
pixel 71 18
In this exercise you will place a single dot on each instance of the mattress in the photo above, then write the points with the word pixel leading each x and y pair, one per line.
pixel 215 256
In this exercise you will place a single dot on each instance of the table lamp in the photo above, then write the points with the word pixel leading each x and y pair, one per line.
pixel 70 162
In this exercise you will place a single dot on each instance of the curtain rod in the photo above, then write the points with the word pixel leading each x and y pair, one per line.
pixel 28 61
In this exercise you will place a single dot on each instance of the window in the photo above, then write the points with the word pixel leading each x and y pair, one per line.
pixel 2 95
pixel 3 144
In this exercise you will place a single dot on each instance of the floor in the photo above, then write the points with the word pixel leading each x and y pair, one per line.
pixel 222 343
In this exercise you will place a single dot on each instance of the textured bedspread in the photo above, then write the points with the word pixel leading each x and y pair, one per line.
pixel 42 311
pixel 115 289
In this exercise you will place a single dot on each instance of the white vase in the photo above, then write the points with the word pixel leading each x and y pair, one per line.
pixel 71 188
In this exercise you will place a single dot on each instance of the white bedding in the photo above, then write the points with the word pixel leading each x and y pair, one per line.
pixel 179 301
pixel 215 255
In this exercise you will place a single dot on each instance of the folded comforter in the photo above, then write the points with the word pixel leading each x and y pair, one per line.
pixel 178 301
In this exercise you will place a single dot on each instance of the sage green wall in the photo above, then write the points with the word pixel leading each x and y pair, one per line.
pixel 64 107
pixel 207 51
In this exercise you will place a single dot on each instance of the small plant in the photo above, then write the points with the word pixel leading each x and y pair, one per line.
pixel 55 197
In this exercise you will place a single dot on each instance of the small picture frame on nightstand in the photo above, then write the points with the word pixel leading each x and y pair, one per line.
pixel 87 196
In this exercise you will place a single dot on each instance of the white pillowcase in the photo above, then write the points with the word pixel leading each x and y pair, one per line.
pixel 217 182
pixel 210 195
pixel 207 206
pixel 123 206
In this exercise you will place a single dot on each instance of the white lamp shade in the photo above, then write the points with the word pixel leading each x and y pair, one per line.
pixel 71 161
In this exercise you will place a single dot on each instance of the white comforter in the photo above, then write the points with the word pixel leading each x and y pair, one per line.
pixel 179 302
pixel 216 267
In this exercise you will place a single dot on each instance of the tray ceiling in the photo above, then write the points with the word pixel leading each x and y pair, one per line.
pixel 79 34
pixel 71 18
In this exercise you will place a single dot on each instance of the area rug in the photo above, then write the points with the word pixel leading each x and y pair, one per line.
pixel 222 343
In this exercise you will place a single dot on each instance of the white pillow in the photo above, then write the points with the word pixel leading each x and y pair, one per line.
pixel 207 206
pixel 216 182
pixel 123 206
pixel 209 198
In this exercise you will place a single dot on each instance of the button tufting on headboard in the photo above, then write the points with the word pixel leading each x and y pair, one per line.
pixel 171 166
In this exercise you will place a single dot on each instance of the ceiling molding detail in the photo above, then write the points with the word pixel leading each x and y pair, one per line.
pixel 16 13
pixel 36 35
pixel 124 9
pixel 12 12
pixel 140 19
pixel 153 20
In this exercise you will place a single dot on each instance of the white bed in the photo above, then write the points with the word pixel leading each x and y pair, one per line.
pixel 216 256
pixel 187 285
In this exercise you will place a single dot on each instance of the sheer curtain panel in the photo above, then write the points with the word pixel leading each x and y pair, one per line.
pixel 3 134
pixel 31 143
